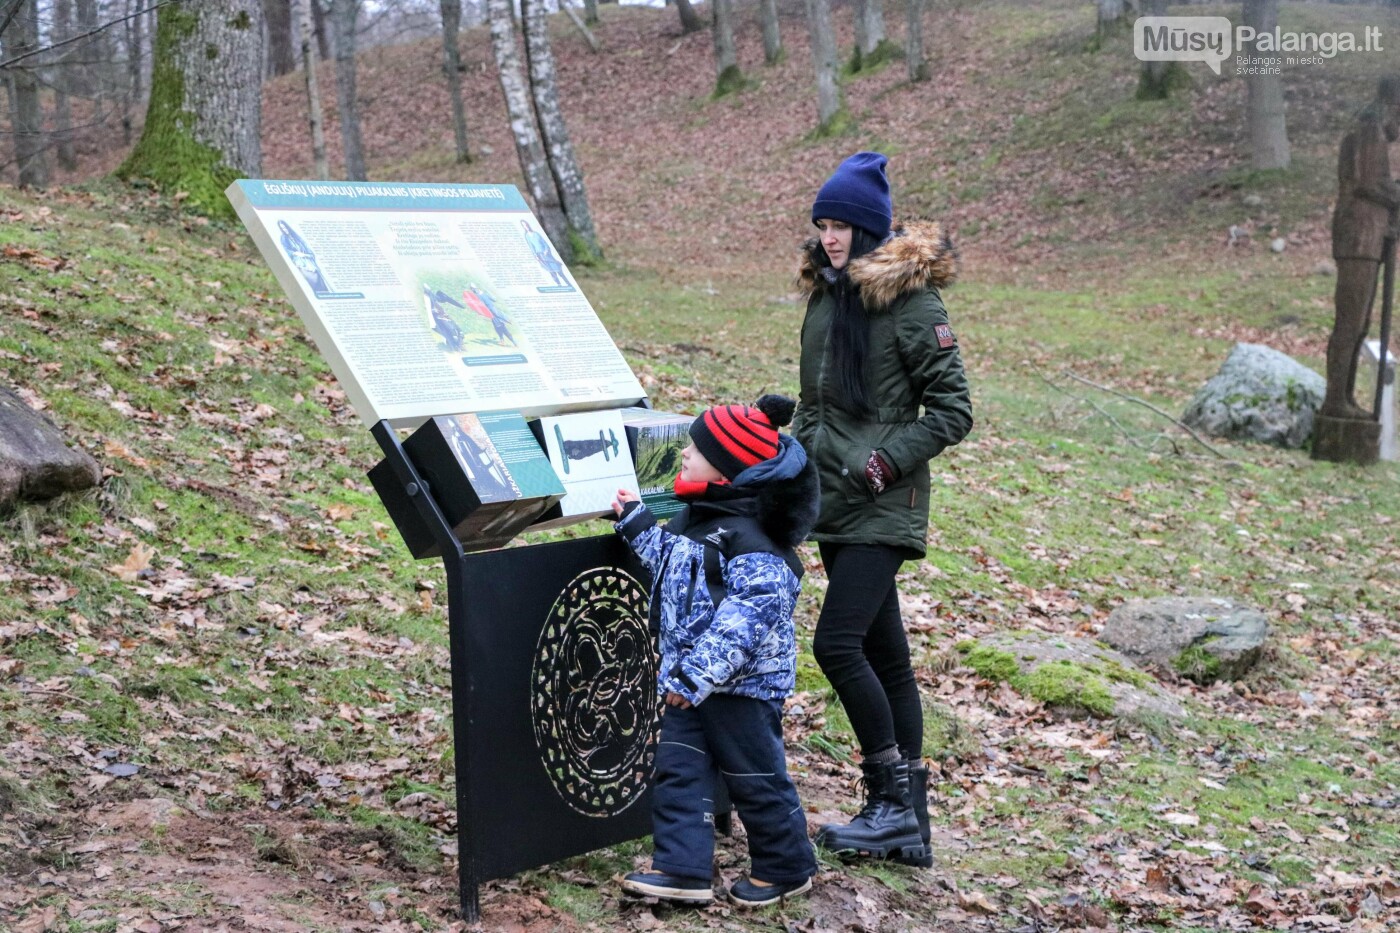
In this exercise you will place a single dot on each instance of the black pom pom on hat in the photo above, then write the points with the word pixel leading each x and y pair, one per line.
pixel 778 409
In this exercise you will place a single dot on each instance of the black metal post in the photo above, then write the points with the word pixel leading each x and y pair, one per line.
pixel 453 560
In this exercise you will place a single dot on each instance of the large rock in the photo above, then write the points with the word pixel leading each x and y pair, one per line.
pixel 35 463
pixel 1259 394
pixel 1071 673
pixel 1204 639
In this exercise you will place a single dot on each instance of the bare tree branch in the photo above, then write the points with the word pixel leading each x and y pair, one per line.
pixel 1149 406
pixel 11 10
pixel 10 62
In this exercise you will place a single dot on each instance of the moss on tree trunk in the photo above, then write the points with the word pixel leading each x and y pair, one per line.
pixel 170 154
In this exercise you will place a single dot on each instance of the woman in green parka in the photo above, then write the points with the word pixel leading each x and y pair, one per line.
pixel 882 393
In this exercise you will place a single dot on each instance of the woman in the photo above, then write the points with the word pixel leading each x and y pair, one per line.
pixel 883 392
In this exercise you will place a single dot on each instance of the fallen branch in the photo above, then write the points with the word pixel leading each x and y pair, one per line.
pixel 1096 407
pixel 1150 407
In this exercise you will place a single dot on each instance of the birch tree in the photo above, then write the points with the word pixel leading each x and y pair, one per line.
pixel 313 90
pixel 534 166
pixel 1265 111
pixel 452 68
pixel 205 115
pixel 344 15
pixel 554 133
pixel 823 42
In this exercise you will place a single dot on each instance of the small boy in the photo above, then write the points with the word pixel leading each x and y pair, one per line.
pixel 725 581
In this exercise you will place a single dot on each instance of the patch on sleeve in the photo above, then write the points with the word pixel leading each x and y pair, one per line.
pixel 945 336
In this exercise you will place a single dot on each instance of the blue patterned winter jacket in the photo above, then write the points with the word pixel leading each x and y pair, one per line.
pixel 747 645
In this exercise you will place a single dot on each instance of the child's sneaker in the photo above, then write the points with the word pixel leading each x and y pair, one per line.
pixel 745 893
pixel 668 887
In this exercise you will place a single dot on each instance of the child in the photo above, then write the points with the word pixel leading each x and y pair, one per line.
pixel 725 581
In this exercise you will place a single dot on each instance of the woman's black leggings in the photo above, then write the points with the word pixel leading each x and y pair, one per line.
pixel 862 649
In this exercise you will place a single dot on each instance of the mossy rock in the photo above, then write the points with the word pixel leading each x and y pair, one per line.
pixel 1201 638
pixel 1070 673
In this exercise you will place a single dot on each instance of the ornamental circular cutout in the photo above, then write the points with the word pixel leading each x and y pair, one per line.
pixel 593 696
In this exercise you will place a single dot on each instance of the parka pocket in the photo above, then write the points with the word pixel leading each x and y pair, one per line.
pixel 853 483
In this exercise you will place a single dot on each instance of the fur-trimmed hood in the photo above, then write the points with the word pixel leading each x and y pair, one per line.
pixel 916 256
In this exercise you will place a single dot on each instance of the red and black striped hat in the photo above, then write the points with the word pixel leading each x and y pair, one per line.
pixel 735 437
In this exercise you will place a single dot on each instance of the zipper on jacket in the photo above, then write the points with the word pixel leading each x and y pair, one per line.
pixel 821 389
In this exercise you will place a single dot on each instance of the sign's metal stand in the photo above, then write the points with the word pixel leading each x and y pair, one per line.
pixel 453 560
pixel 511 813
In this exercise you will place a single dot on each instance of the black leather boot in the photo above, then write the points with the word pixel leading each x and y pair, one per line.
pixel 918 799
pixel 887 825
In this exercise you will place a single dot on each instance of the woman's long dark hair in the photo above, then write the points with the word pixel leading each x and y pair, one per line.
pixel 850 330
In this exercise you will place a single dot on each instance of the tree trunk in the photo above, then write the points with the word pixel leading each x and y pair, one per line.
pixel 823 42
pixel 870 35
pixel 533 164
pixel 135 55
pixel 28 120
pixel 281 53
pixel 690 20
pixel 772 35
pixel 205 115
pixel 452 67
pixel 323 31
pixel 590 12
pixel 1110 16
pixel 728 77
pixel 593 44
pixel 93 78
pixel 559 151
pixel 62 75
pixel 313 91
pixel 344 16
pixel 1156 78
pixel 1268 124
pixel 873 13
pixel 917 65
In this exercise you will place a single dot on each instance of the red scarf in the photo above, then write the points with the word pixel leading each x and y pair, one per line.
pixel 692 489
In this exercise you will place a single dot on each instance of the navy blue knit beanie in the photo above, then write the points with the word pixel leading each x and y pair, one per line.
pixel 857 193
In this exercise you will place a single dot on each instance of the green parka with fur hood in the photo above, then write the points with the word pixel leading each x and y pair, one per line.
pixel 916 381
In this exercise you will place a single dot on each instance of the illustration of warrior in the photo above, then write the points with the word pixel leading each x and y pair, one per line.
pixel 303 258
pixel 442 322
pixel 480 301
pixel 544 254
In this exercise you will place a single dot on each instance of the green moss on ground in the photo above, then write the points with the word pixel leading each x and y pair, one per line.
pixel 992 663
pixel 1198 664
pixel 1064 683
pixel 1055 683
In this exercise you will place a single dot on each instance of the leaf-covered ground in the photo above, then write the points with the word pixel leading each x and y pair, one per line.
pixel 223 684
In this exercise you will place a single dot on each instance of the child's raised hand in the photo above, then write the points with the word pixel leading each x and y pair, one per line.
pixel 623 497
